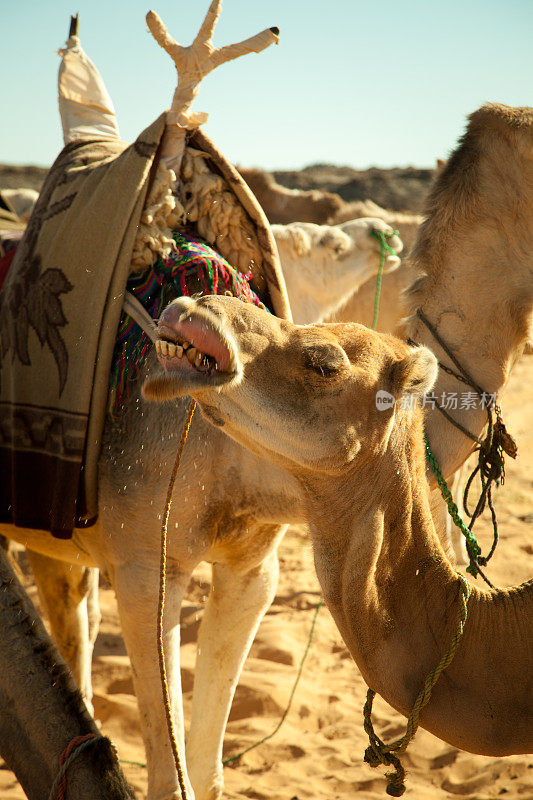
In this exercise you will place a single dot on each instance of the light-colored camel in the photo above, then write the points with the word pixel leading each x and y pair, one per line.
pixel 305 398
pixel 41 710
pixel 359 307
pixel 283 205
pixel 323 265
pixel 236 521
pixel 21 201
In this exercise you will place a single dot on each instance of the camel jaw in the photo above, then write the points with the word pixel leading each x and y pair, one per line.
pixel 195 351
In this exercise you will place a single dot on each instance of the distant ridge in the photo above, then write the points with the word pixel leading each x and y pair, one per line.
pixel 398 188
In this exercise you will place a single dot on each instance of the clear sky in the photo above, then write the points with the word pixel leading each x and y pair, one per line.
pixel 358 83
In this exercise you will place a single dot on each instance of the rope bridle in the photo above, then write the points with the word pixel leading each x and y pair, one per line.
pixel 490 449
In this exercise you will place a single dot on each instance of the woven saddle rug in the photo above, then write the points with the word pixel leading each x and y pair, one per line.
pixel 193 268
pixel 61 307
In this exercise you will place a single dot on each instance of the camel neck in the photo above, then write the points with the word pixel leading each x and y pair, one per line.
pixel 462 299
pixel 395 597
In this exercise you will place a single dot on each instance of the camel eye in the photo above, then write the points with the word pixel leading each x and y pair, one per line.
pixel 324 359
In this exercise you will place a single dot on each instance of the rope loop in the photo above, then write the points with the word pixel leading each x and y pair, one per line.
pixel 380 753
pixel 381 236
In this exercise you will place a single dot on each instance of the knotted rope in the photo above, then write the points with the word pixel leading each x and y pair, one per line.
pixel 69 754
pixel 491 459
pixel 380 753
pixel 381 236
pixel 161 607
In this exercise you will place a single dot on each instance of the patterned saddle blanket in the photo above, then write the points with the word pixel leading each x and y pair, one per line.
pixel 193 268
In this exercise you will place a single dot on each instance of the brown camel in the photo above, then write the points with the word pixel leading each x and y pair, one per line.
pixel 475 245
pixel 305 398
pixel 42 712
pixel 283 205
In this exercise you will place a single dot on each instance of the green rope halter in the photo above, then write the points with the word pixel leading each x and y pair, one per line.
pixel 381 236
pixel 472 545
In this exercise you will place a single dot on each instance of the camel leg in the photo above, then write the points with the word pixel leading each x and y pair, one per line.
pixel 63 590
pixel 137 589
pixel 236 605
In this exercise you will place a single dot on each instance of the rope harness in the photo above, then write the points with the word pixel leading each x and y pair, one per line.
pixel 161 607
pixel 491 459
pixel 491 470
pixel 381 236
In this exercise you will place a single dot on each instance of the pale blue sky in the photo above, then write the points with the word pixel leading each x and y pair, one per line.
pixel 359 83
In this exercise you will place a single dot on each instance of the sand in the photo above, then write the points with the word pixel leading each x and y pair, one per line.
pixel 318 752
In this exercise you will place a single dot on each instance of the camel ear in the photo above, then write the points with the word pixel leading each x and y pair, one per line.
pixel 415 375
pixel 292 238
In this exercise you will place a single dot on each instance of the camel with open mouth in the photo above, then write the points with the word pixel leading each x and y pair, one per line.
pixel 304 399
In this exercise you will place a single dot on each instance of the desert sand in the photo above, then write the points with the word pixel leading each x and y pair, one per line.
pixel 318 752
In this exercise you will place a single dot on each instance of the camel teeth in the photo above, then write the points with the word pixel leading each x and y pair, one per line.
pixel 198 359
pixel 171 349
pixel 179 351
pixel 158 345
pixel 186 345
pixel 191 354
pixel 163 349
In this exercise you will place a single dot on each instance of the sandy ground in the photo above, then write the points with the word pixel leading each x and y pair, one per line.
pixel 318 752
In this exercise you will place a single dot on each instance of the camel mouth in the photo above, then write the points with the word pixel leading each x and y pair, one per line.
pixel 194 350
pixel 392 263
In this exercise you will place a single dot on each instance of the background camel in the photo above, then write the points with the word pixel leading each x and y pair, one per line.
pixel 282 205
pixel 41 710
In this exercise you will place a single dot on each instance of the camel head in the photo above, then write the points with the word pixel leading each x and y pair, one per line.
pixel 324 265
pixel 314 397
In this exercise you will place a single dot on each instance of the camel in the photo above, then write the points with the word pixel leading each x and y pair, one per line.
pixel 463 252
pixel 323 265
pixel 282 205
pixel 42 711
pixel 305 398
pixel 21 201
pixel 238 530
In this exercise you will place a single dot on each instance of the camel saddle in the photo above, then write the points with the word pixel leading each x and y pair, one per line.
pixel 62 299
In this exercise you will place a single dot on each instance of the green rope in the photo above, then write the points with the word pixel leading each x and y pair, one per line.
pixel 291 696
pixel 472 545
pixel 381 236
pixel 380 753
